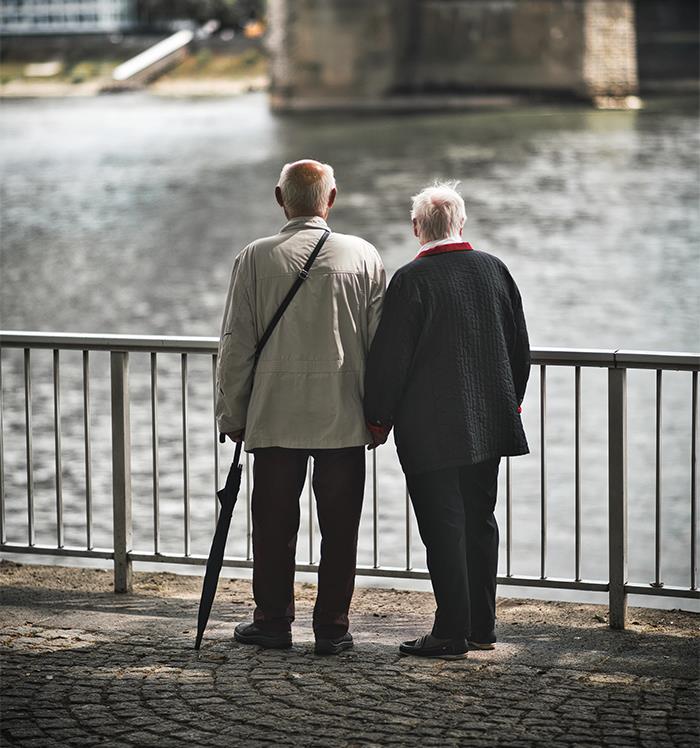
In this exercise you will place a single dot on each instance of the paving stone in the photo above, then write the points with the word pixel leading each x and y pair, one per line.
pixel 126 675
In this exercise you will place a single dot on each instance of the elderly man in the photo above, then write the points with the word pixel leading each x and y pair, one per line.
pixel 448 369
pixel 301 398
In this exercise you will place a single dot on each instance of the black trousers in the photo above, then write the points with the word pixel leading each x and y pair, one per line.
pixel 339 484
pixel 454 508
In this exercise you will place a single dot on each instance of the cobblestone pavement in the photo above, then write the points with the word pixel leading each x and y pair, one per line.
pixel 82 666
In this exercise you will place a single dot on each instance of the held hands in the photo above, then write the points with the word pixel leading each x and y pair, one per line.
pixel 379 434
pixel 234 436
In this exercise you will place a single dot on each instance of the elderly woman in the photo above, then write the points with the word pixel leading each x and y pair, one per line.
pixel 447 370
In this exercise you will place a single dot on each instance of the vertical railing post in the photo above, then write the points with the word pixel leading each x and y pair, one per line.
pixel 375 513
pixel 543 472
pixel 310 470
pixel 3 537
pixel 121 470
pixel 694 483
pixel 617 495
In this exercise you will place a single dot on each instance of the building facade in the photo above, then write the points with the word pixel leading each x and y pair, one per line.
pixel 66 17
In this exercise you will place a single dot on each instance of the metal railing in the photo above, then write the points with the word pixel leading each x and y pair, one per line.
pixel 616 362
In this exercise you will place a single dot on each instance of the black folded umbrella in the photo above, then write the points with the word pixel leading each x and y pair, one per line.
pixel 227 498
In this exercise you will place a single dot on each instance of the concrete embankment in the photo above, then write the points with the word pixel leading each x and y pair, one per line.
pixel 83 666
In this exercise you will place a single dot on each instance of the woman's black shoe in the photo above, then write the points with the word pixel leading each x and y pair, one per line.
pixel 333 646
pixel 452 649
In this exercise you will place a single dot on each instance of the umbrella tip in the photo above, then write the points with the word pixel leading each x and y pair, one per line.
pixel 198 643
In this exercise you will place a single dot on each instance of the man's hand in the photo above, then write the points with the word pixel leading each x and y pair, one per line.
pixel 236 436
pixel 379 434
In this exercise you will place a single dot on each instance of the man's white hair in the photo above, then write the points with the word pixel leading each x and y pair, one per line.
pixel 439 211
pixel 306 192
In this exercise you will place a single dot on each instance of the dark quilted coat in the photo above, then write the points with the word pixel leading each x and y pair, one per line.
pixel 450 361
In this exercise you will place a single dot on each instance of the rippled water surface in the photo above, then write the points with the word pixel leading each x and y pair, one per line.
pixel 123 214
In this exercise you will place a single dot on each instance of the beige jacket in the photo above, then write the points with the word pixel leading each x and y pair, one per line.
pixel 307 389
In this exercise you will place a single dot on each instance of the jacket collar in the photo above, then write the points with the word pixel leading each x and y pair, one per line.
pixel 445 247
pixel 304 222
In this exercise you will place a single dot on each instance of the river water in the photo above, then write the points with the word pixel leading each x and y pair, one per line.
pixel 123 214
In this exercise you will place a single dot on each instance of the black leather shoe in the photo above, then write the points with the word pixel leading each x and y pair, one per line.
pixel 250 633
pixel 333 646
pixel 452 649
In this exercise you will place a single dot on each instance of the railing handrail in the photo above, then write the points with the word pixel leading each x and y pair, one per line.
pixel 610 358
pixel 108 342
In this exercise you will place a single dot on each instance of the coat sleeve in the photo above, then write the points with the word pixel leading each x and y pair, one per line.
pixel 236 358
pixel 391 353
pixel 520 351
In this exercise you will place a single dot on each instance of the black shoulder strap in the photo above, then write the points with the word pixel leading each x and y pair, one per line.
pixel 303 275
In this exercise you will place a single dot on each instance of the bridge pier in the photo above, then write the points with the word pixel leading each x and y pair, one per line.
pixel 358 54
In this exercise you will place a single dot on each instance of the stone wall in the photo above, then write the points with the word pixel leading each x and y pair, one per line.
pixel 340 51
pixel 668 44
pixel 609 48
pixel 335 48
pixel 486 45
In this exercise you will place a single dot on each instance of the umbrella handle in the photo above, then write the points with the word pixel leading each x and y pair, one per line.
pixel 239 446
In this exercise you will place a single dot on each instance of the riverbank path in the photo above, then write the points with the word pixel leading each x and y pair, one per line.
pixel 82 667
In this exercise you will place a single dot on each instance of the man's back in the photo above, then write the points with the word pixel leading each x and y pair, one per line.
pixel 307 389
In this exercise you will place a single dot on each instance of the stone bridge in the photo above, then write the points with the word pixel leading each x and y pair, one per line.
pixel 354 54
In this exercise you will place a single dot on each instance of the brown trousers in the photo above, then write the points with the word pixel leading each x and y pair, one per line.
pixel 278 480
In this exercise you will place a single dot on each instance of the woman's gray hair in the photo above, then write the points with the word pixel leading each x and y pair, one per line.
pixel 306 192
pixel 439 211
